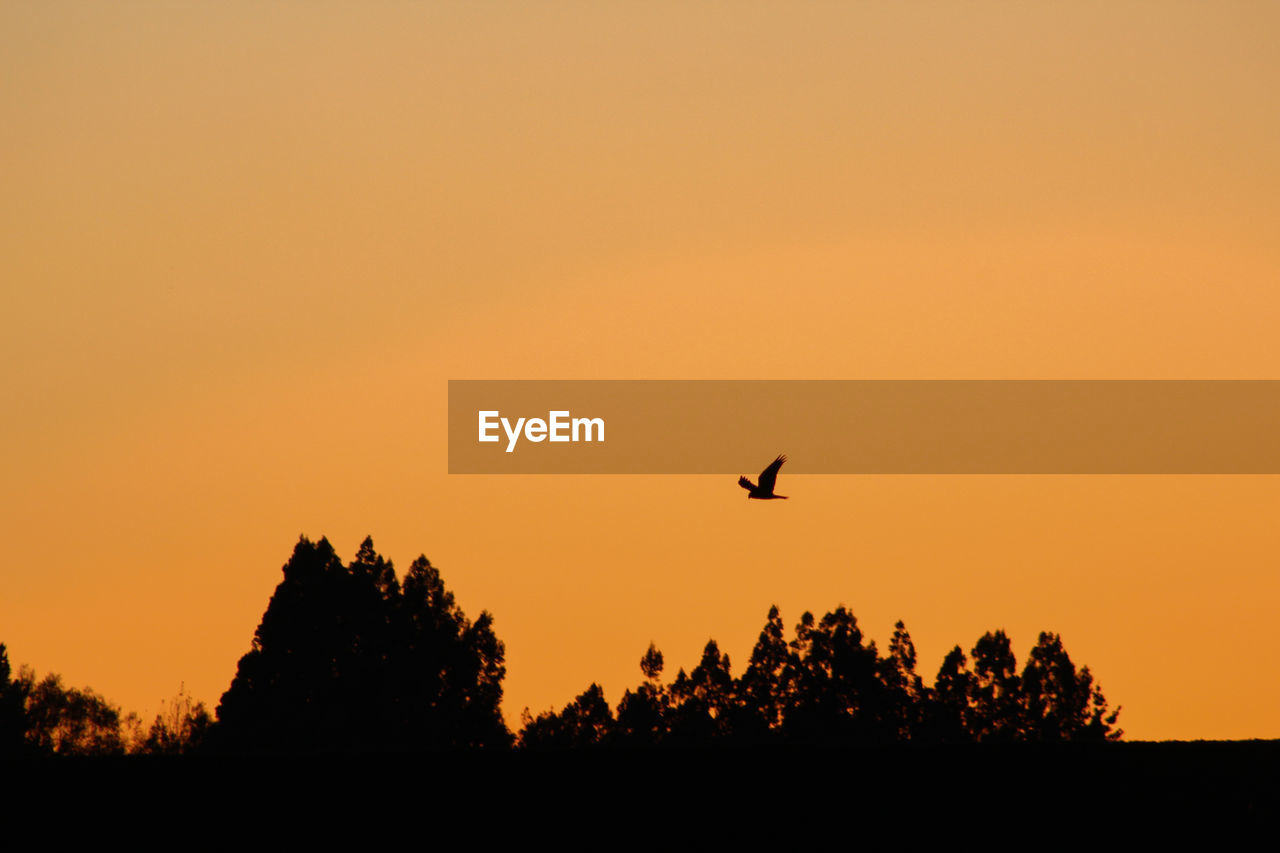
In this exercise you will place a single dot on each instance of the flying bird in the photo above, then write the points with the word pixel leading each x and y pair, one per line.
pixel 768 477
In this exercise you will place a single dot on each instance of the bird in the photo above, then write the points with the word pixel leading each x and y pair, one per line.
pixel 768 477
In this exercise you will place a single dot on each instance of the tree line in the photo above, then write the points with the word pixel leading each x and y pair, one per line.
pixel 828 686
pixel 349 658
pixel 43 717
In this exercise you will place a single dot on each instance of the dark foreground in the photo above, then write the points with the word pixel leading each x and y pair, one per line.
pixel 1171 783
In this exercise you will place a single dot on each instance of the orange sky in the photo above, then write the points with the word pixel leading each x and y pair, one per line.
pixel 243 248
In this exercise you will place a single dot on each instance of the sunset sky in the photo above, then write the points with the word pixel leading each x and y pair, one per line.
pixel 244 247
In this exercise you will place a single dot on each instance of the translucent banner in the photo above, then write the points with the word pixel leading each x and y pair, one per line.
pixel 864 427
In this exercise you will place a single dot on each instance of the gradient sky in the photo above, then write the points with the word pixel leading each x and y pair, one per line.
pixel 243 247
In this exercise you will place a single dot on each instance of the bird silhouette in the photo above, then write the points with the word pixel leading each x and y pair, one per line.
pixel 768 477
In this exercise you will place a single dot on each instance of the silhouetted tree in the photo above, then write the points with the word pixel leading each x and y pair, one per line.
pixel 702 702
pixel 67 721
pixel 642 714
pixel 178 729
pixel 346 659
pixel 836 695
pixel 947 713
pixel 904 701
pixel 584 722
pixel 1059 703
pixel 829 686
pixel 1101 725
pixel 651 664
pixel 13 710
pixel 995 708
pixel 43 717
pixel 764 687
pixel 450 677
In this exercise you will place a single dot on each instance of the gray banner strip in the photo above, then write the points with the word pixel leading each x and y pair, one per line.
pixel 864 427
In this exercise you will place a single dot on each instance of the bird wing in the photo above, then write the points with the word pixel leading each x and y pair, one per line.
pixel 746 484
pixel 769 475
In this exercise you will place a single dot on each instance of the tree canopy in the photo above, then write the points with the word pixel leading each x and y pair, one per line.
pixel 354 658
pixel 349 659
pixel 829 685
pixel 45 717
